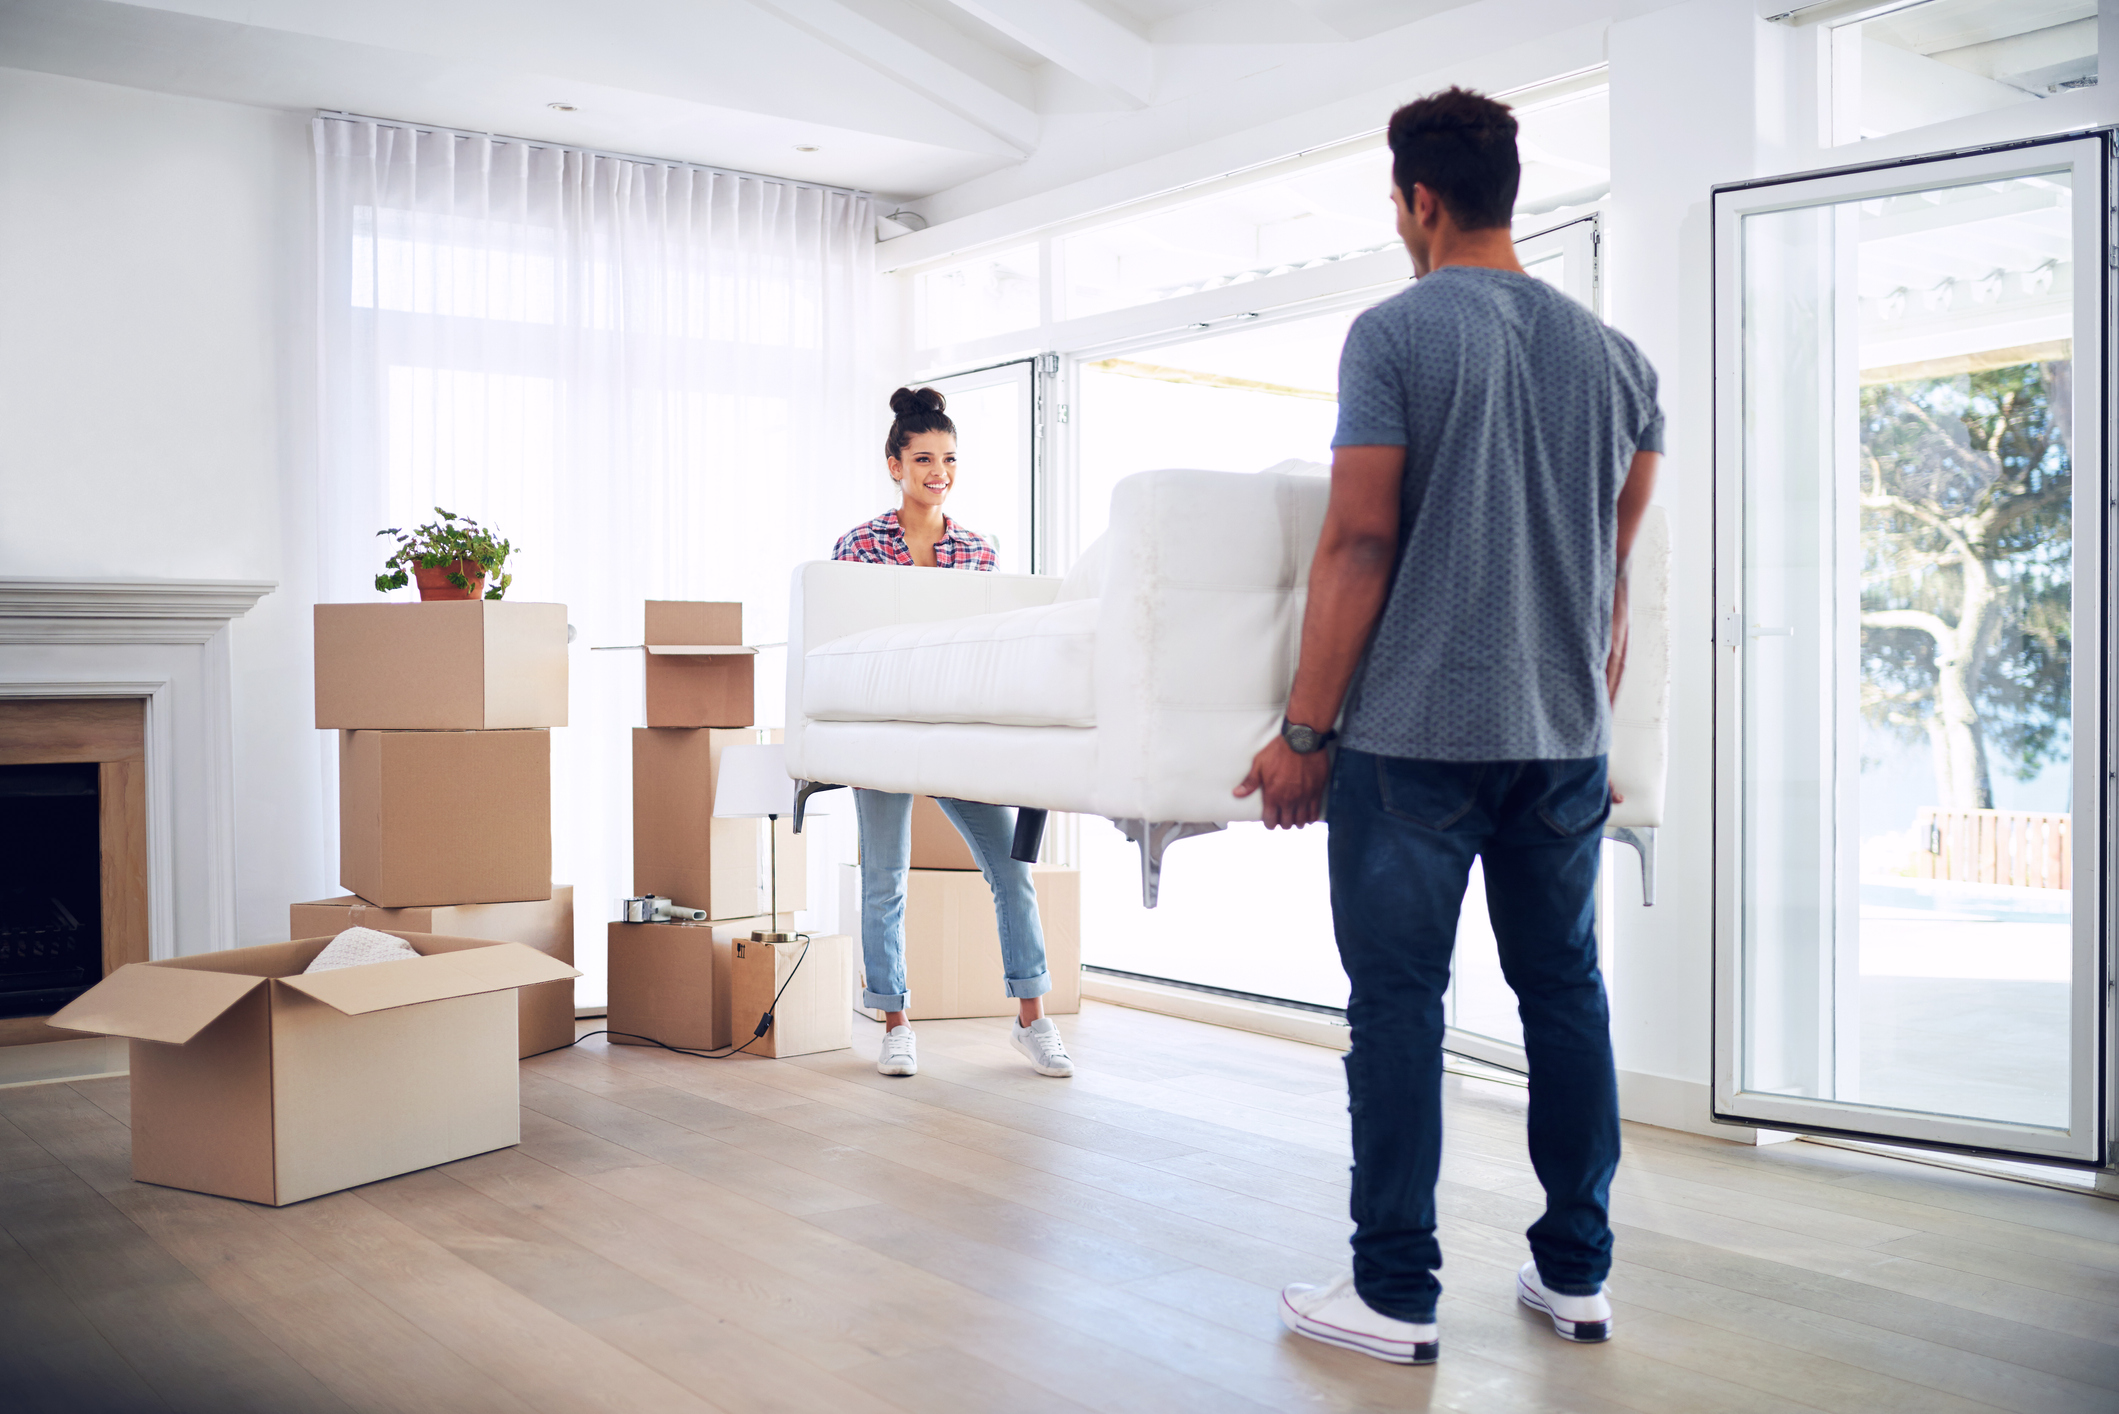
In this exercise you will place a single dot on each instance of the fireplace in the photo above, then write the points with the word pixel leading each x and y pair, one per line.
pixel 73 851
pixel 51 886
pixel 129 678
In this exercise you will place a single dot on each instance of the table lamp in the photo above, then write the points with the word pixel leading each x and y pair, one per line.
pixel 754 785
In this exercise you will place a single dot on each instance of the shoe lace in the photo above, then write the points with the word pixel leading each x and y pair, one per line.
pixel 1049 1045
pixel 897 1047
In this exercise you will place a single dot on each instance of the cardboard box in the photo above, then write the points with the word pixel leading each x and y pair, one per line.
pixel 669 981
pixel 253 1081
pixel 445 817
pixel 681 852
pixel 936 841
pixel 544 1014
pixel 468 665
pixel 698 690
pixel 810 980
pixel 953 942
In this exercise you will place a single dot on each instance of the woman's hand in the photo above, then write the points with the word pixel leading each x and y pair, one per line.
pixel 1293 785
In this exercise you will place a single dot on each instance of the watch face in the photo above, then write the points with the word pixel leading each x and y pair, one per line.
pixel 1303 740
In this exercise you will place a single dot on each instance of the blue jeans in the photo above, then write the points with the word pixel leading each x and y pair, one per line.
pixel 886 852
pixel 1403 836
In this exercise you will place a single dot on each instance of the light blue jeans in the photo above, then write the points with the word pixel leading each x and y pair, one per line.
pixel 886 853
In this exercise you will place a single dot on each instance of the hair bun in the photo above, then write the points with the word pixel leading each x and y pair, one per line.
pixel 911 402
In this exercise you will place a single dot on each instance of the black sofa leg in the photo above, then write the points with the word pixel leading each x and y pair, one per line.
pixel 1029 835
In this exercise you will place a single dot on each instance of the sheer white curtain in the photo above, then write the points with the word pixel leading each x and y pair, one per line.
pixel 648 376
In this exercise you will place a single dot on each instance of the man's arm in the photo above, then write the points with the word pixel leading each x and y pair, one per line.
pixel 1633 504
pixel 1349 580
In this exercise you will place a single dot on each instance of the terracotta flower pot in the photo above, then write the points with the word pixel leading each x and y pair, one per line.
pixel 434 583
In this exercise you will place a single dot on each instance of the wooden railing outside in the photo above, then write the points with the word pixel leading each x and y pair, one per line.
pixel 2023 847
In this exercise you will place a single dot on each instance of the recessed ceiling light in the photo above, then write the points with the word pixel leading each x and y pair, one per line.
pixel 801 148
pixel 561 107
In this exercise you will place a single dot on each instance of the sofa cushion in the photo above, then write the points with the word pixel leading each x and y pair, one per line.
pixel 1023 668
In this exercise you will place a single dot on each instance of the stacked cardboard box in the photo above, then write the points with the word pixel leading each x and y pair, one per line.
pixel 444 714
pixel 698 703
pixel 952 939
pixel 545 1012
pixel 704 986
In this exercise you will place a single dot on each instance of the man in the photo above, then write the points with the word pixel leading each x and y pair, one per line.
pixel 1496 448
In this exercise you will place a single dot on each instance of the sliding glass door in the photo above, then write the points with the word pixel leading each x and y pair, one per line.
pixel 1910 521
pixel 996 415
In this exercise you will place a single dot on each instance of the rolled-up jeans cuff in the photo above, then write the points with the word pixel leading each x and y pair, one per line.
pixel 1024 988
pixel 881 1001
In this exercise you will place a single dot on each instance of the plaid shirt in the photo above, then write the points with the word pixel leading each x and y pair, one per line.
pixel 881 542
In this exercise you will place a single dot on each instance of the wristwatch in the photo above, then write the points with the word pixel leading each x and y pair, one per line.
pixel 1304 740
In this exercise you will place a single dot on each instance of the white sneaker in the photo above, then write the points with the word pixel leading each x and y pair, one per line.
pixel 1583 1318
pixel 1041 1042
pixel 1337 1315
pixel 898 1056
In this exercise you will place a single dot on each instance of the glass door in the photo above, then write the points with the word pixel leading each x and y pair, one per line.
pixel 996 415
pixel 1910 533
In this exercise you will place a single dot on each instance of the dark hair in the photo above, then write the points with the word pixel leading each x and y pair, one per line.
pixel 918 410
pixel 1461 146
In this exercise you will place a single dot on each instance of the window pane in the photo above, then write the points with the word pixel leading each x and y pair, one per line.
pixel 1267 228
pixel 993 482
pixel 1949 58
pixel 992 294
pixel 1907 651
pixel 1312 217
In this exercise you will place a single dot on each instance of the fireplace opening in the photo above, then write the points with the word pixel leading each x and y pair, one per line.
pixel 51 885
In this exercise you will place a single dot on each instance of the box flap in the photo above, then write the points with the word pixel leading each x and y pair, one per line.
pixel 694 650
pixel 382 985
pixel 150 1003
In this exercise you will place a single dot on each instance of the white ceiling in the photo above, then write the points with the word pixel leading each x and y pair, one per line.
pixel 904 97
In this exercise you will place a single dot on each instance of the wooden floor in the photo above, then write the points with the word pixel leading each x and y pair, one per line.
pixel 681 1235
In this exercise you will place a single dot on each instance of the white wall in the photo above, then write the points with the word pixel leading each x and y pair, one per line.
pixel 156 375
pixel 1688 86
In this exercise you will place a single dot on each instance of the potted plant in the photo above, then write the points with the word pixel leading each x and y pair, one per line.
pixel 452 558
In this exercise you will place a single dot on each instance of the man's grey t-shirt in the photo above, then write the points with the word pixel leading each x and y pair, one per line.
pixel 1519 412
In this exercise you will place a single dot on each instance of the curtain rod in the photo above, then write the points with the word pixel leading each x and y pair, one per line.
pixel 437 128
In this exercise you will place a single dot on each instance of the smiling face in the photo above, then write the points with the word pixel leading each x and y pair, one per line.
pixel 926 468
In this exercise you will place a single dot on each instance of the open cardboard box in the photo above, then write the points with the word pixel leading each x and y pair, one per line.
pixel 544 1014
pixel 456 665
pixel 699 673
pixel 252 1080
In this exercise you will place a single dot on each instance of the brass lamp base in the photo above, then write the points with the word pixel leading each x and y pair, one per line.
pixel 759 937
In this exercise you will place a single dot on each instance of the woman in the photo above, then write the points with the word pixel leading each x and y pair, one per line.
pixel 921 454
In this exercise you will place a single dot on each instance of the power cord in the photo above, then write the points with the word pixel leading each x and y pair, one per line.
pixel 765 1022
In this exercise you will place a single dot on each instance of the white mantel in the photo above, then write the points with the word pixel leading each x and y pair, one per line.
pixel 165 640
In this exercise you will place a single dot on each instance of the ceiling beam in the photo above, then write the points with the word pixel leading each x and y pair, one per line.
pixel 972 82
pixel 1083 40
pixel 1365 19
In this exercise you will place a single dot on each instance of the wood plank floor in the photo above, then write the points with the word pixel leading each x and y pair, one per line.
pixel 792 1236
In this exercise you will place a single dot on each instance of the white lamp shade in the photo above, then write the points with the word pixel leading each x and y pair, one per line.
pixel 754 783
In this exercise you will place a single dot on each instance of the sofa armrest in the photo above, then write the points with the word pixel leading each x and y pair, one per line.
pixel 1198 634
pixel 833 598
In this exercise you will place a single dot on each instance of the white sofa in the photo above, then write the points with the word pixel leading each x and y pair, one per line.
pixel 1137 688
